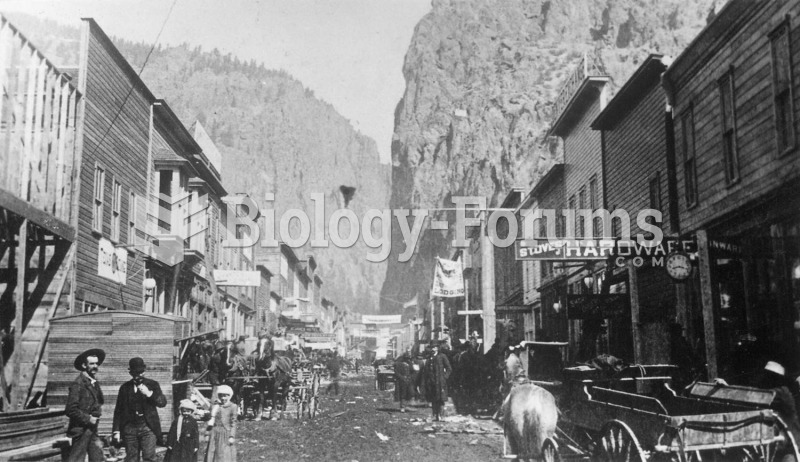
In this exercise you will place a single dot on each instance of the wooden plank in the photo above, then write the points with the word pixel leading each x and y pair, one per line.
pixel 71 158
pixel 63 103
pixel 38 217
pixel 11 114
pixel 19 300
pixel 6 37
pixel 35 160
pixel 707 300
pixel 27 130
pixel 48 154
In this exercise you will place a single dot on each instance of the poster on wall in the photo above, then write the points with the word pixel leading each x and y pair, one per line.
pixel 112 262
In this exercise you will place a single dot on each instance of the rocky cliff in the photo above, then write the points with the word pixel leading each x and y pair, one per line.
pixel 481 77
pixel 274 135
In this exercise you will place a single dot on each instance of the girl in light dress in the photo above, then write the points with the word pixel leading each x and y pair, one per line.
pixel 221 443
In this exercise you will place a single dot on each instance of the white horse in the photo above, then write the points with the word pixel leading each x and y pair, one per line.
pixel 530 416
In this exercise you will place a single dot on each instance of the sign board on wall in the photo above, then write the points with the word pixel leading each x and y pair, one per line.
pixel 112 263
pixel 237 278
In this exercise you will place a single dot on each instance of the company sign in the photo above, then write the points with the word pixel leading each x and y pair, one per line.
pixel 597 249
pixel 112 263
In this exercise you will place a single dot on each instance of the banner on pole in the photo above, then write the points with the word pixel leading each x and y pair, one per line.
pixel 448 279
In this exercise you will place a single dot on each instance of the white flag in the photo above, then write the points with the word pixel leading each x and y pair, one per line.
pixel 448 279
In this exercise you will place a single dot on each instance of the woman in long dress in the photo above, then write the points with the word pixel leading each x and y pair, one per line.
pixel 222 442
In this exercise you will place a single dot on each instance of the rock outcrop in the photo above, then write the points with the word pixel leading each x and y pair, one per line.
pixel 481 78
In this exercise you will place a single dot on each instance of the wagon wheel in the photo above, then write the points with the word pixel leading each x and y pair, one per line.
pixel 617 443
pixel 550 451
pixel 783 449
pixel 313 401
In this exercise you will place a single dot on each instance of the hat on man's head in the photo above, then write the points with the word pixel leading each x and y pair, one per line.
pixel 188 404
pixel 775 368
pixel 434 343
pixel 81 358
pixel 136 365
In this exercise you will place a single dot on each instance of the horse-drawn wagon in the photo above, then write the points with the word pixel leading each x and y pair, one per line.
pixel 632 414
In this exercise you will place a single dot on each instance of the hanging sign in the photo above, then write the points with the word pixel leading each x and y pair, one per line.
pixel 112 262
pixel 448 279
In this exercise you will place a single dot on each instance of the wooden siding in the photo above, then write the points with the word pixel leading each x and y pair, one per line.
pixel 635 151
pixel 583 154
pixel 121 148
pixel 122 335
pixel 761 169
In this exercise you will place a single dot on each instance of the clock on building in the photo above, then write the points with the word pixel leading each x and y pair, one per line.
pixel 679 266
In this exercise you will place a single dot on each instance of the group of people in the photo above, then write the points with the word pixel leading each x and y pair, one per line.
pixel 136 422
pixel 425 375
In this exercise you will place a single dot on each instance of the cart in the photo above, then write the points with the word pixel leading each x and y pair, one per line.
pixel 303 392
pixel 634 415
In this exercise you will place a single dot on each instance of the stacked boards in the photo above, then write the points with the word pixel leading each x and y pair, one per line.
pixel 122 335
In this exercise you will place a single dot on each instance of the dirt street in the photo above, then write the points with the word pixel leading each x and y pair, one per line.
pixel 363 424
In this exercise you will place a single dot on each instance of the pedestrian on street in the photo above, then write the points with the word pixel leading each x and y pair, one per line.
pixel 84 408
pixel 417 365
pixel 136 418
pixel 217 367
pixel 403 384
pixel 183 438
pixel 437 371
pixel 334 367
pixel 221 442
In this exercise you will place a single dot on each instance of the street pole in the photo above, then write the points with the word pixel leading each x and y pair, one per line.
pixel 466 308
pixel 433 316
pixel 441 317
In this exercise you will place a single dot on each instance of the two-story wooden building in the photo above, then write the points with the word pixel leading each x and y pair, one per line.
pixel 734 94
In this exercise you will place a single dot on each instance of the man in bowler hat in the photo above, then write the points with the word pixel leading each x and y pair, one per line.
pixel 84 407
pixel 135 416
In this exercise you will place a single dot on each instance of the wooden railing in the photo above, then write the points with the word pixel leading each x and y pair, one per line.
pixel 38 107
pixel 589 66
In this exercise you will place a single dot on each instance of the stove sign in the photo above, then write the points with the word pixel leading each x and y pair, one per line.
pixel 112 262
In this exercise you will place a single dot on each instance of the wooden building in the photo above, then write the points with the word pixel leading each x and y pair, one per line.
pixel 734 94
pixel 581 99
pixel 509 308
pixel 41 113
pixel 634 127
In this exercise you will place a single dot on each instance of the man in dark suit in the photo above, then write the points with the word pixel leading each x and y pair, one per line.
pixel 135 416
pixel 84 407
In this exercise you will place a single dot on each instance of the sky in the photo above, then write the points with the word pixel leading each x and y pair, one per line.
pixel 349 52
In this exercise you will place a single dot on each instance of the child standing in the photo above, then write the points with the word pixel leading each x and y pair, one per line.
pixel 183 438
pixel 221 446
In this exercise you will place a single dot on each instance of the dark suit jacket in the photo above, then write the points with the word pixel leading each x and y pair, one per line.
pixel 84 401
pixel 184 446
pixel 123 412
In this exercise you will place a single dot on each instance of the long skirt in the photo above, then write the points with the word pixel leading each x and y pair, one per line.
pixel 219 450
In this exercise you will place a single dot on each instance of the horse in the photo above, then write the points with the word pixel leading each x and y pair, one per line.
pixel 530 416
pixel 277 370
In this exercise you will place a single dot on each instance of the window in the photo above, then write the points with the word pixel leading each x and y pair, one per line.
pixel 687 154
pixel 655 192
pixel 99 192
pixel 165 201
pixel 132 211
pixel 726 99
pixel 581 219
pixel 782 83
pixel 593 204
pixel 116 206
pixel 575 215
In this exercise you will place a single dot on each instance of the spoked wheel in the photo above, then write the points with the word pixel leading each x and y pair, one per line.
pixel 783 449
pixel 313 400
pixel 618 443
pixel 550 451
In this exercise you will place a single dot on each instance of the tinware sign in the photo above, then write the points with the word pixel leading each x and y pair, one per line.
pixel 112 263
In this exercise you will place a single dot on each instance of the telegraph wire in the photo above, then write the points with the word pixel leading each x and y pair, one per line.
pixel 130 91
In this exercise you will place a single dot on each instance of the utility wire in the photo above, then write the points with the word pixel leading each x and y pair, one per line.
pixel 130 91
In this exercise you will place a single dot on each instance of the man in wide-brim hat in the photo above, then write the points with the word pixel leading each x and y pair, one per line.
pixel 84 408
pixel 136 420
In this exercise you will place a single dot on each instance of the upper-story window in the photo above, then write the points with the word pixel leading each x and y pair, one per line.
pixel 116 211
pixel 99 193
pixel 687 155
pixel 655 192
pixel 165 201
pixel 782 87
pixel 132 211
pixel 593 204
pixel 728 113
pixel 581 231
pixel 575 220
